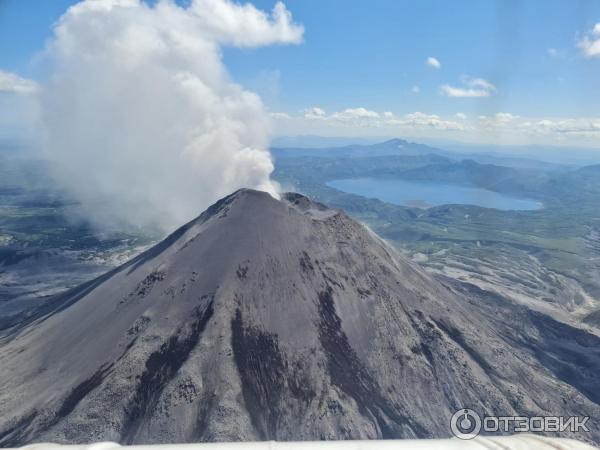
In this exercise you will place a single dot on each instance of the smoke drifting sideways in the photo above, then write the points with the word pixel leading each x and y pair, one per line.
pixel 140 117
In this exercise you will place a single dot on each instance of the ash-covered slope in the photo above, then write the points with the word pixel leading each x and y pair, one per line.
pixel 267 319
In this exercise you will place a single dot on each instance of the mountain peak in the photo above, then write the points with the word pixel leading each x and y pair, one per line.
pixel 280 319
pixel 257 204
pixel 395 141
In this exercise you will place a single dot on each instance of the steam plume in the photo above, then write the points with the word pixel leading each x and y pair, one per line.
pixel 141 118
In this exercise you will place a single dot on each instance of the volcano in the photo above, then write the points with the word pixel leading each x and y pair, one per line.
pixel 282 319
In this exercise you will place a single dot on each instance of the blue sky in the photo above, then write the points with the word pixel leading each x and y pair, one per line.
pixel 372 55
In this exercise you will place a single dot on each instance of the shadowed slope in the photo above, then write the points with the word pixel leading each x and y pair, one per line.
pixel 268 319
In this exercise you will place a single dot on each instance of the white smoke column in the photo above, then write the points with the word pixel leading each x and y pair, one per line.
pixel 141 118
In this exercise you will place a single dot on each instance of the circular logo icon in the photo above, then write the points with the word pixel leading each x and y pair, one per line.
pixel 465 424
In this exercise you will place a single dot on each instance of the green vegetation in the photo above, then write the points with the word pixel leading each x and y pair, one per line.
pixel 547 258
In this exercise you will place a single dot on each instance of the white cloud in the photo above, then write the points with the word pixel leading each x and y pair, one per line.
pixel 585 127
pixel 505 117
pixel 279 115
pixel 433 62
pixel 473 88
pixel 12 83
pixel 146 127
pixel 505 127
pixel 314 113
pixel 558 129
pixel 347 115
pixel 478 83
pixel 244 25
pixel 590 44
pixel 355 113
pixel 362 118
pixel 416 89
pixel 421 120
pixel 497 121
pixel 455 92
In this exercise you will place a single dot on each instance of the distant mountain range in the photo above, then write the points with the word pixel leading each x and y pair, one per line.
pixel 400 147
pixel 268 319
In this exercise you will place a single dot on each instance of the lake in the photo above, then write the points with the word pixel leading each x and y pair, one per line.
pixel 424 195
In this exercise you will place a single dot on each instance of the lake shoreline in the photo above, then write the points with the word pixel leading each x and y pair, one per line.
pixel 425 195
